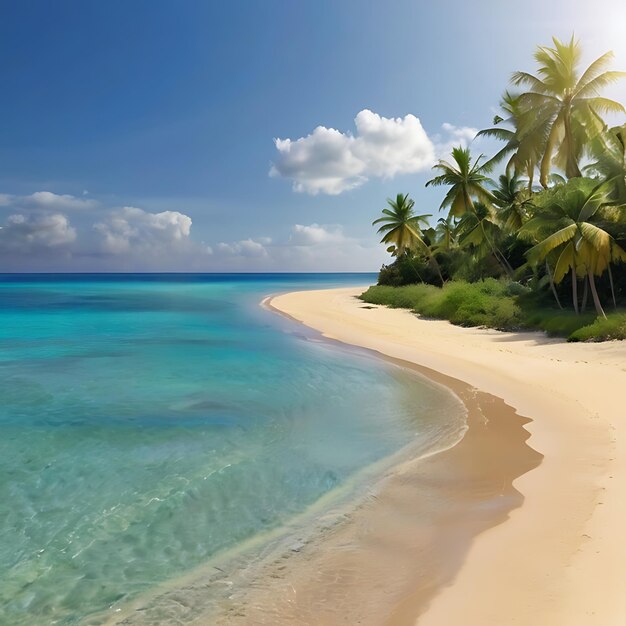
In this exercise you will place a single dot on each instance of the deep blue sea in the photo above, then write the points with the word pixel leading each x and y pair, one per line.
pixel 150 422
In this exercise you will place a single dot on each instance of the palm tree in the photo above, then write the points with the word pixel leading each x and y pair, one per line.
pixel 523 155
pixel 402 230
pixel 564 225
pixel 563 106
pixel 401 227
pixel 512 201
pixel 466 181
pixel 479 230
pixel 444 236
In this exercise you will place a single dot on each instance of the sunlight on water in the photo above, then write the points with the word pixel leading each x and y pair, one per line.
pixel 148 424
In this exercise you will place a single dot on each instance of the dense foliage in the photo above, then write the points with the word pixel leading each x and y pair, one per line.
pixel 561 243
pixel 499 304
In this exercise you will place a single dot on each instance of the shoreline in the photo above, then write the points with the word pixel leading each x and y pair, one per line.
pixel 329 551
pixel 558 559
pixel 387 560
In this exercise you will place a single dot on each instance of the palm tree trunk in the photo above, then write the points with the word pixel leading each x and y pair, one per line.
pixel 433 260
pixel 583 306
pixel 419 276
pixel 552 287
pixel 496 253
pixel 612 286
pixel 575 290
pixel 594 293
pixel 571 165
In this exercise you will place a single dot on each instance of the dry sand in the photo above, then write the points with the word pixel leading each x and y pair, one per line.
pixel 558 560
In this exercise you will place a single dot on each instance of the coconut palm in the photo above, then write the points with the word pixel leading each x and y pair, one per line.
pixel 512 201
pixel 564 224
pixel 564 106
pixel 522 155
pixel 466 181
pixel 479 230
pixel 401 227
pixel 402 230
pixel 444 236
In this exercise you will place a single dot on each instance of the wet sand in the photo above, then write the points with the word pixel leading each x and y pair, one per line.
pixel 392 554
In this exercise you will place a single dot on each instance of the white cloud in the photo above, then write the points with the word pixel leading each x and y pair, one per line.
pixel 322 161
pixel 133 230
pixel 315 234
pixel 30 234
pixel 329 161
pixel 55 202
pixel 391 146
pixel 246 248
pixel 123 238
pixel 47 201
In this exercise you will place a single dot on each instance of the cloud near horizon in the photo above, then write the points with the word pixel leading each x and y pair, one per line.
pixel 322 247
pixel 131 229
pixel 36 234
pixel 331 162
pixel 123 238
pixel 131 238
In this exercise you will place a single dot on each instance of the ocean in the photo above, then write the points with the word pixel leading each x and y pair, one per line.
pixel 151 422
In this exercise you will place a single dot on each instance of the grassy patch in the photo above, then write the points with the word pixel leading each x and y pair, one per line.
pixel 496 304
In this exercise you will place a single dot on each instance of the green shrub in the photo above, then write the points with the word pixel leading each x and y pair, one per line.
pixel 485 303
pixel 499 304
pixel 556 322
pixel 613 327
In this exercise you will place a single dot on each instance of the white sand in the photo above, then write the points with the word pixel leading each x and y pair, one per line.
pixel 560 559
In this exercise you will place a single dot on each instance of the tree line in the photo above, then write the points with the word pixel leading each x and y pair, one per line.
pixel 554 220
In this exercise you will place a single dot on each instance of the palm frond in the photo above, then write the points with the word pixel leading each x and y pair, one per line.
pixel 525 78
pixel 604 105
pixel 539 251
pixel 564 263
pixel 597 237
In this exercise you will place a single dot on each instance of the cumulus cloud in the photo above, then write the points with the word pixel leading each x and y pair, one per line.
pixel 246 248
pixel 131 229
pixel 36 238
pixel 331 162
pixel 314 234
pixel 23 234
pixel 320 162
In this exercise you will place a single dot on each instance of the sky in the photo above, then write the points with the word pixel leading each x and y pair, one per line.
pixel 159 135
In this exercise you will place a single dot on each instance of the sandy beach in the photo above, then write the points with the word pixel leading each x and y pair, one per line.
pixel 559 558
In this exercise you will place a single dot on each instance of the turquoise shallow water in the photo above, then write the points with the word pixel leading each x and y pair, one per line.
pixel 149 422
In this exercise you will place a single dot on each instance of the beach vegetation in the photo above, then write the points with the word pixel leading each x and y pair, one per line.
pixel 510 254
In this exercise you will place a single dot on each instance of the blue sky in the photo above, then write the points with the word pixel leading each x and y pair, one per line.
pixel 140 135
